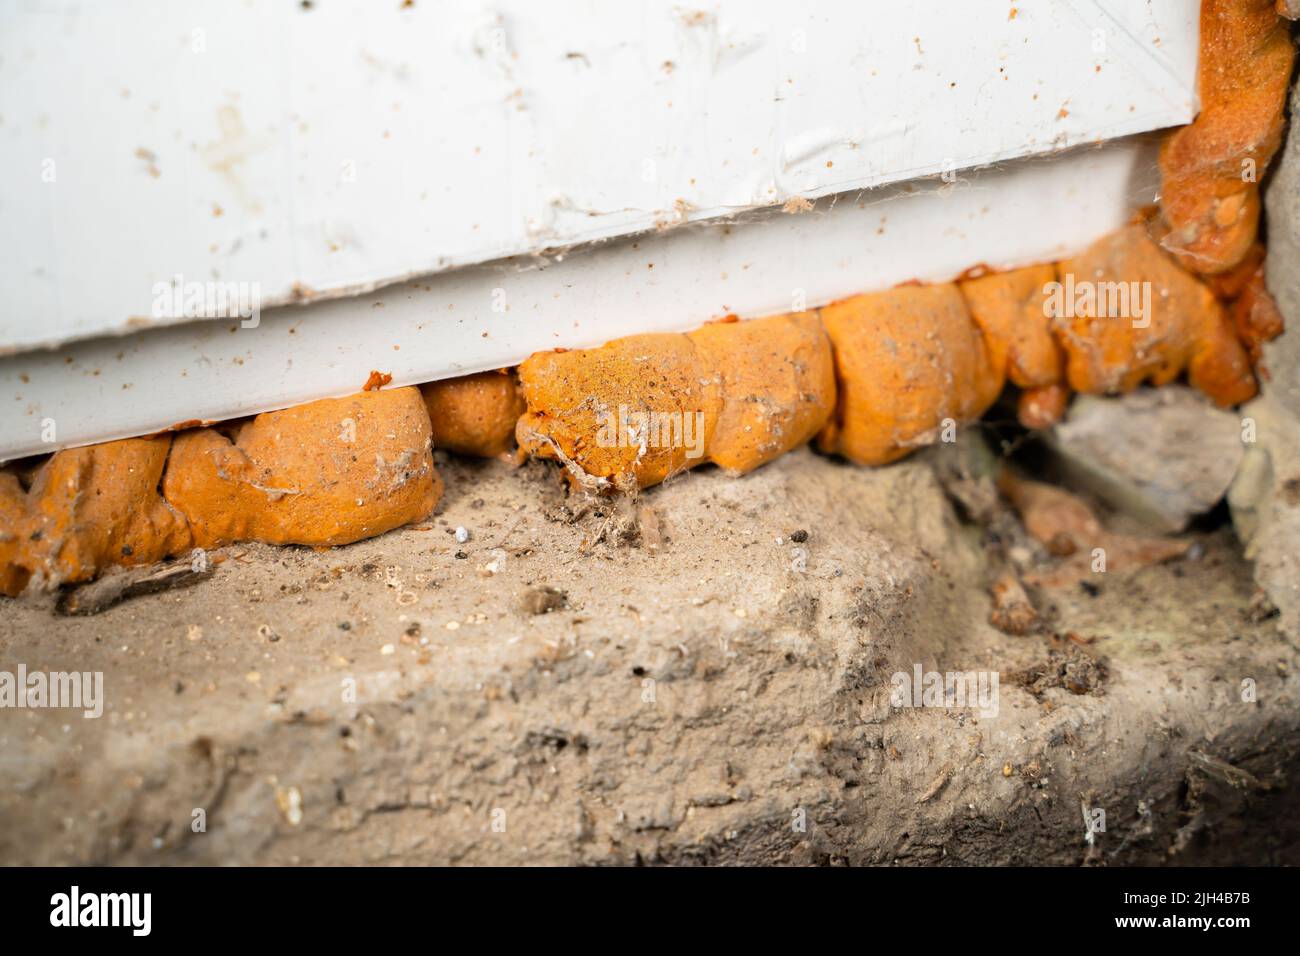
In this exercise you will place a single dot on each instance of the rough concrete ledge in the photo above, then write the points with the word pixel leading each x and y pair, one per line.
pixel 715 688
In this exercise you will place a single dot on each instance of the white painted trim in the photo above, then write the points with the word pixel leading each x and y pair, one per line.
pixel 335 150
pixel 1031 210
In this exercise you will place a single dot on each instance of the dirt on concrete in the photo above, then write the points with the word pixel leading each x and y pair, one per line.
pixel 703 674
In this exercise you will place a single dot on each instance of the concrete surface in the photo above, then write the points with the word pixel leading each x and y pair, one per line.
pixel 714 687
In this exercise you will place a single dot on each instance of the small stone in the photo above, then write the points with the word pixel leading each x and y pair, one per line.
pixel 1160 456
pixel 462 535
pixel 289 800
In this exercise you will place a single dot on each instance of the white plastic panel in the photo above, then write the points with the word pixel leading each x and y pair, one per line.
pixel 325 151
pixel 492 316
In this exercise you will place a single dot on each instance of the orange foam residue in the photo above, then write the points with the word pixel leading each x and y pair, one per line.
pixel 906 360
pixel 328 472
pixel 638 409
pixel 13 520
pixel 89 508
pixel 474 414
pixel 1110 351
pixel 778 386
pixel 1211 168
pixel 376 381
pixel 1011 310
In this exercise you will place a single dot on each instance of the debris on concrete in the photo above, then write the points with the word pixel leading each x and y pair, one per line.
pixel 124 584
pixel 1013 611
pixel 1067 527
pixel 646 721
